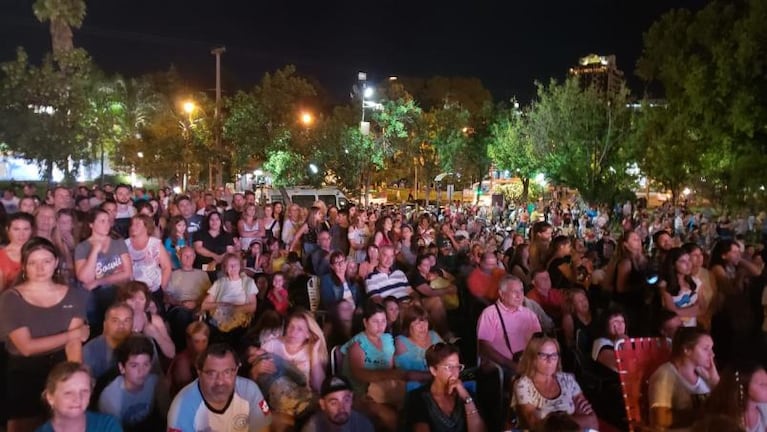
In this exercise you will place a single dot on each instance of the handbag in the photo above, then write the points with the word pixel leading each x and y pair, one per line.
pixel 226 319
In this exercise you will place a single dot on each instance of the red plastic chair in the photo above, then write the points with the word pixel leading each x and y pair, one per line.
pixel 637 360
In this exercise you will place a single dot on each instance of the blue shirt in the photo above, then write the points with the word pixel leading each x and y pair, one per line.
pixel 94 422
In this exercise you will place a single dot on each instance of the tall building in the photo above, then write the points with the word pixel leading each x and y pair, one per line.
pixel 599 71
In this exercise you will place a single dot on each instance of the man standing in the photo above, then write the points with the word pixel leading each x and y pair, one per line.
pixel 187 209
pixel 232 215
pixel 339 232
pixel 336 413
pixel 219 400
pixel 125 209
pixel 320 257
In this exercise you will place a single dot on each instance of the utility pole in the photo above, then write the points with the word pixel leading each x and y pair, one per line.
pixel 217 121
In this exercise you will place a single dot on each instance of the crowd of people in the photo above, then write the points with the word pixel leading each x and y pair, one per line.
pixel 133 310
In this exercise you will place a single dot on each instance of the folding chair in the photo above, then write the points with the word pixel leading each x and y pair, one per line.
pixel 637 360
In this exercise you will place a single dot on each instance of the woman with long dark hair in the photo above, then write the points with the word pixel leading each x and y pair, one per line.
pixel 678 289
pixel 741 396
pixel 212 243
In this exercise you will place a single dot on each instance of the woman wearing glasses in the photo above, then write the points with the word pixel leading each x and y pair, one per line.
pixel 335 286
pixel 543 388
pixel 445 405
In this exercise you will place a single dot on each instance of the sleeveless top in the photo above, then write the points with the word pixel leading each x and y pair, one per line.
pixel 414 359
pixel 375 359
pixel 246 241
pixel 146 263
pixel 310 236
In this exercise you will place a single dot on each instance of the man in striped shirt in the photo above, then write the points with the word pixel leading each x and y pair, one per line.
pixel 385 281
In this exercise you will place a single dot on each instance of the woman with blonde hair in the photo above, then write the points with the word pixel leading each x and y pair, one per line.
pixel 303 345
pixel 543 388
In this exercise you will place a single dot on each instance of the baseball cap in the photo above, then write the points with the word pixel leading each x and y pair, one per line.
pixel 333 384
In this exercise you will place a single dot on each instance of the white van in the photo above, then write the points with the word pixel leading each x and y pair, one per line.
pixel 306 196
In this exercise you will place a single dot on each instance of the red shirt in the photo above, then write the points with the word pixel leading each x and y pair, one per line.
pixel 485 285
pixel 551 304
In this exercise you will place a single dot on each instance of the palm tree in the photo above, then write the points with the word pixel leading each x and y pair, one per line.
pixel 63 15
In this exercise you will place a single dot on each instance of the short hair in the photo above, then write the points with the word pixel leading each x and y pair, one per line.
pixel 136 344
pixel 411 314
pixel 685 339
pixel 115 306
pixel 130 288
pixel 124 186
pixel 197 327
pixel 219 350
pixel 371 308
pixel 64 371
pixel 438 352
pixel 147 221
pixel 20 216
pixel 507 280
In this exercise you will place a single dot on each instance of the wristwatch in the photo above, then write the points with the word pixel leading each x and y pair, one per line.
pixel 468 400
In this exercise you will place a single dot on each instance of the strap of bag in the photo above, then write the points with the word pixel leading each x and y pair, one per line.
pixel 503 325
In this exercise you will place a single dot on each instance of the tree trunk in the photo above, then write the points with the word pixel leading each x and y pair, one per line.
pixel 525 189
pixel 48 174
pixel 61 37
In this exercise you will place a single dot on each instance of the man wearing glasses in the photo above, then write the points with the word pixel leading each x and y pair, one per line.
pixel 219 400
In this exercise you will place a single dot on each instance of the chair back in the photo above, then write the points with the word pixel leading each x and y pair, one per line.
pixel 637 360
pixel 313 291
pixel 336 360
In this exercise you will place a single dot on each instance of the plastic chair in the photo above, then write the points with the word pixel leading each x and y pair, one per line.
pixel 336 360
pixel 637 360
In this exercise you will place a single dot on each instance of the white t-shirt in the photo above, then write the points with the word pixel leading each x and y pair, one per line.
pixel 525 393
pixel 301 360
pixel 668 389
pixel 599 345
pixel 225 290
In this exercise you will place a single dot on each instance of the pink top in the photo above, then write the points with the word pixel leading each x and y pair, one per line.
pixel 520 326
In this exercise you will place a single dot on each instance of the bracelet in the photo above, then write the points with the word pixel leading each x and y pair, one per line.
pixel 472 412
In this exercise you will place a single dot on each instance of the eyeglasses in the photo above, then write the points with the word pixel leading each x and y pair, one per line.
pixel 226 373
pixel 453 367
pixel 548 356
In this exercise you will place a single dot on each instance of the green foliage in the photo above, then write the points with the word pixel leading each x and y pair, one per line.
pixel 511 147
pixel 47 111
pixel 62 15
pixel 711 65
pixel 581 135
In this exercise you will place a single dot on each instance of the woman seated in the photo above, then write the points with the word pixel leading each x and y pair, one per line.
pixel 303 345
pixel 336 285
pixel 678 289
pixel 613 329
pixel 445 404
pixel 285 387
pixel 741 395
pixel 145 318
pixel 369 365
pixel 543 388
pixel 679 386
pixel 182 370
pixel 67 392
pixel 338 326
pixel 577 317
pixel 410 346
pixel 231 300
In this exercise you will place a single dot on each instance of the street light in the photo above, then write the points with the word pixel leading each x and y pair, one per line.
pixel 313 168
pixel 189 107
pixel 307 119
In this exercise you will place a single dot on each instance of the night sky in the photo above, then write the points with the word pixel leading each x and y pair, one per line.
pixel 508 44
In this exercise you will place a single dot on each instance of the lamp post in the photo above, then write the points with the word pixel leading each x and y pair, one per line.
pixel 189 108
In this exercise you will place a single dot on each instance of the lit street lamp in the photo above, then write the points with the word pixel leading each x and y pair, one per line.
pixel 307 119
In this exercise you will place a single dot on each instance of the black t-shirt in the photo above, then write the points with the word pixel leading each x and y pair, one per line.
pixel 216 244
pixel 558 279
pixel 416 280
pixel 420 407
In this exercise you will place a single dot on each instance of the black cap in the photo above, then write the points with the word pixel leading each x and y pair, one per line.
pixel 333 384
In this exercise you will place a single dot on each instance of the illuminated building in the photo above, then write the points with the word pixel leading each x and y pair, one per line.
pixel 600 72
